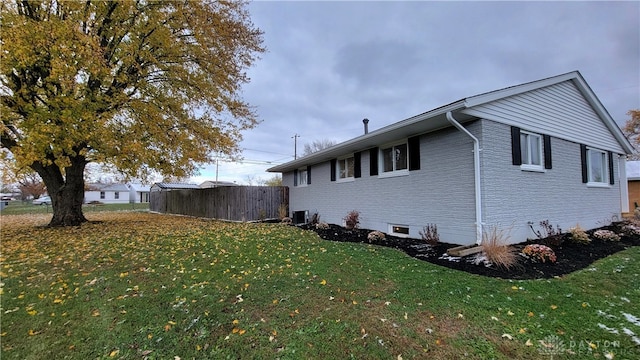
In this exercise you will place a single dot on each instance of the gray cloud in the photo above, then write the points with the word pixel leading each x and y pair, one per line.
pixel 330 64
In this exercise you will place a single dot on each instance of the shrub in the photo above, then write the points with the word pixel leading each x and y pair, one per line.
pixel 375 236
pixel 430 235
pixel 606 235
pixel 552 235
pixel 286 220
pixel 539 253
pixel 282 211
pixel 631 229
pixel 578 235
pixel 322 225
pixel 496 251
pixel 352 220
pixel 315 218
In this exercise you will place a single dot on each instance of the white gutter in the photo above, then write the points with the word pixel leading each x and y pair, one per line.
pixel 476 175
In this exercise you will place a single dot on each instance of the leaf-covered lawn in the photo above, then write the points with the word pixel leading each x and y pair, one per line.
pixel 139 285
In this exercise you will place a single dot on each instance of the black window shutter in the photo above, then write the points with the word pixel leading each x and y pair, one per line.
pixel 546 139
pixel 373 161
pixel 583 157
pixel 612 180
pixel 308 174
pixel 295 177
pixel 357 169
pixel 414 152
pixel 333 169
pixel 516 157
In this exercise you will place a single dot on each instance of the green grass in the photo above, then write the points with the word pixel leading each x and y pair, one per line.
pixel 139 285
pixel 18 208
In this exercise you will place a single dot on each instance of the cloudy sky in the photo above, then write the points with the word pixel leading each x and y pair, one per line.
pixel 331 64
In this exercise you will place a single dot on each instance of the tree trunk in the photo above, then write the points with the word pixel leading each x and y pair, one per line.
pixel 67 194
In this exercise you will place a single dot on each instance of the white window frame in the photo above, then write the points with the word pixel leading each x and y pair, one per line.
pixel 116 195
pixel 339 170
pixel 527 163
pixel 604 181
pixel 302 177
pixel 395 171
pixel 394 227
pixel 103 195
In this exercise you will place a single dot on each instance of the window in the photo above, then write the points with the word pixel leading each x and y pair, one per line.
pixel 597 166
pixel 399 230
pixel 394 158
pixel 116 195
pixel 102 195
pixel 346 168
pixel 530 150
pixel 301 177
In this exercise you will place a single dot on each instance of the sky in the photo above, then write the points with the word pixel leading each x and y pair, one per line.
pixel 329 65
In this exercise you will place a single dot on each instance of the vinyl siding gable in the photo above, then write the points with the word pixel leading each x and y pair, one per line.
pixel 558 110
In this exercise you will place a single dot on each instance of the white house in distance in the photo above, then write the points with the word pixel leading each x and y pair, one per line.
pixel 546 150
pixel 117 193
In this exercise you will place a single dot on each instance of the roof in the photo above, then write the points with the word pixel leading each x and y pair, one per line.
pixel 436 119
pixel 175 186
pixel 633 170
pixel 139 187
pixel 106 187
pixel 212 183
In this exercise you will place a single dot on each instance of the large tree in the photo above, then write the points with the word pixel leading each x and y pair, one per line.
pixel 632 131
pixel 146 86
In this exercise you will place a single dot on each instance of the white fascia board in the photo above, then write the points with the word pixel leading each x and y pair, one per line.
pixel 366 141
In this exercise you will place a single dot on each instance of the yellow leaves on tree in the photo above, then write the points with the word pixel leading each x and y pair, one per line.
pixel 143 86
pixel 632 130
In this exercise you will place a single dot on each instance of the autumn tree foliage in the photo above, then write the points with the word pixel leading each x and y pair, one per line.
pixel 145 86
pixel 632 130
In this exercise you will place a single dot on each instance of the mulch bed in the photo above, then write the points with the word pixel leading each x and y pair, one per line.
pixel 570 256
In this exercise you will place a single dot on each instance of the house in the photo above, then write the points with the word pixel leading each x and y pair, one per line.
pixel 212 184
pixel 633 182
pixel 138 193
pixel 509 159
pixel 107 193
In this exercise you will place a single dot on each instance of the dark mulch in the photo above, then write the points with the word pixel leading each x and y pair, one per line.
pixel 570 256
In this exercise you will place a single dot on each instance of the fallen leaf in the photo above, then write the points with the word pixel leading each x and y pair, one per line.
pixel 528 343
pixel 507 336
pixel 114 353
pixel 323 282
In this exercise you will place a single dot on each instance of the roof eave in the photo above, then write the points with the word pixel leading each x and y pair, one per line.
pixel 364 141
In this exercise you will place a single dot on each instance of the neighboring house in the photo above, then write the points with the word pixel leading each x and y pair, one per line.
pixel 633 181
pixel 139 193
pixel 172 186
pixel 211 184
pixel 547 150
pixel 107 193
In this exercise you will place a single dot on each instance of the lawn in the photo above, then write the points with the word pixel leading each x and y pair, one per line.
pixel 135 285
pixel 19 207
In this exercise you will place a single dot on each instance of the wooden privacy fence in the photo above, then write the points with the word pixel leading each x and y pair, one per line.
pixel 239 203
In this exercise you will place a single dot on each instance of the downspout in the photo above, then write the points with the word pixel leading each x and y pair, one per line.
pixel 476 175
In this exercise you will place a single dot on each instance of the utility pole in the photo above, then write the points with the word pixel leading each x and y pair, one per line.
pixel 295 146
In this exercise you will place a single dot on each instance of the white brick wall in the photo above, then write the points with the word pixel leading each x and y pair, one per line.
pixel 513 197
pixel 440 193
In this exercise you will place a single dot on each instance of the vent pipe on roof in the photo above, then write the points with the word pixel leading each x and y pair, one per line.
pixel 366 125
